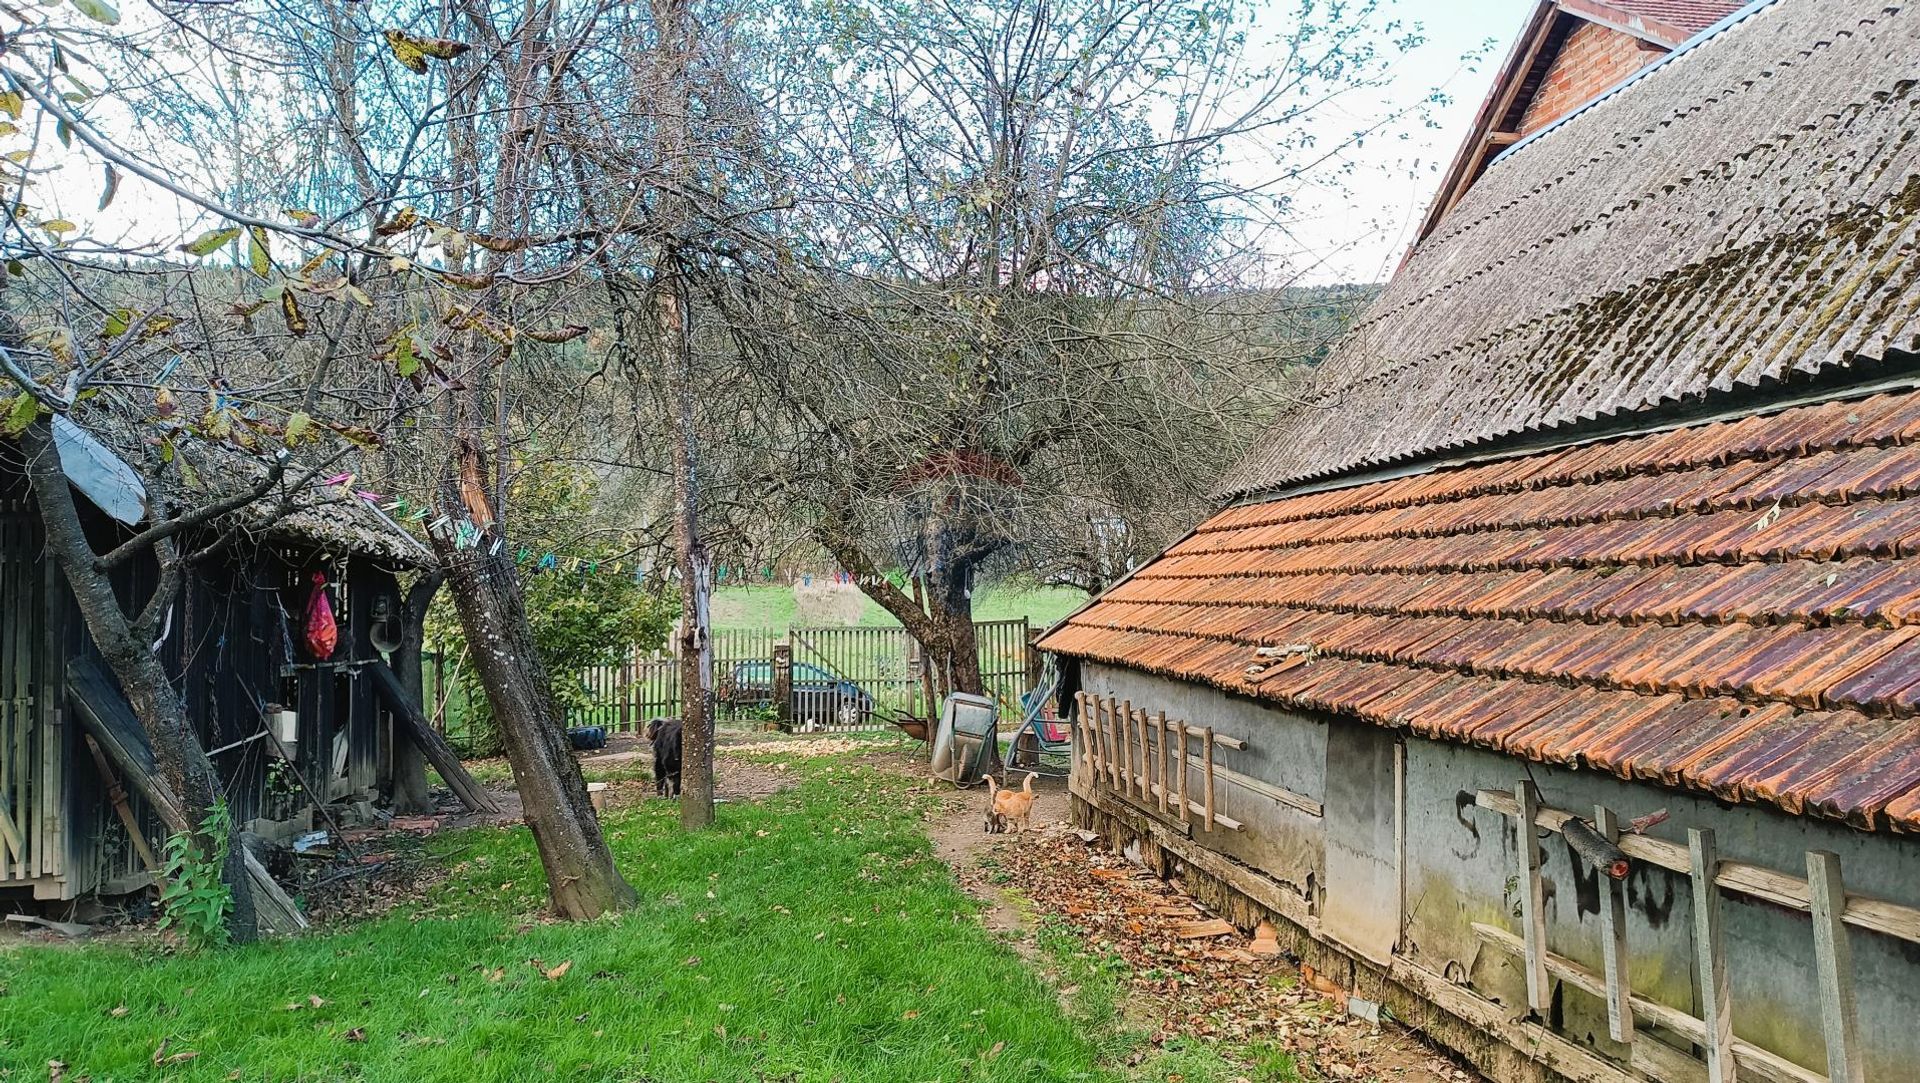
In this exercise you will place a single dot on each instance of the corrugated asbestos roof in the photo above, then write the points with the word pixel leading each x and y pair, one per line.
pixel 1732 608
pixel 1743 211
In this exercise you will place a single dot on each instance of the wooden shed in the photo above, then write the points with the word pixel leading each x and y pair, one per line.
pixel 232 642
pixel 1597 537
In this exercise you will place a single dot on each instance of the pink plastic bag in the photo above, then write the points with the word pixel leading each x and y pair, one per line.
pixel 323 634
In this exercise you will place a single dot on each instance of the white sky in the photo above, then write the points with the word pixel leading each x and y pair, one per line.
pixel 1354 232
pixel 1358 235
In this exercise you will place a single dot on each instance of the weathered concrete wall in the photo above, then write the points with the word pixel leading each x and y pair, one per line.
pixel 1459 868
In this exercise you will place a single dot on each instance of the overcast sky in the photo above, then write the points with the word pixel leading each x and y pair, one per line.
pixel 1354 231
pixel 1358 235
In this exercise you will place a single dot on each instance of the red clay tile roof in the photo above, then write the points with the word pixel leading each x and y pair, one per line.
pixel 1737 215
pixel 1732 608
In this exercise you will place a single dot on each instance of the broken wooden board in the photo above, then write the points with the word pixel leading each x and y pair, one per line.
pixel 1196 930
pixel 103 710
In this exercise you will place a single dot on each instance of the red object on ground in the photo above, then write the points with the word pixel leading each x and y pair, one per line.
pixel 323 633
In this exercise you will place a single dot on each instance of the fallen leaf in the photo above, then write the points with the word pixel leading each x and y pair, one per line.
pixel 357 1034
pixel 118 1011
pixel 560 971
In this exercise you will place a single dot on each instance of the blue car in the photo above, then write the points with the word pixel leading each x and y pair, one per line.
pixel 818 696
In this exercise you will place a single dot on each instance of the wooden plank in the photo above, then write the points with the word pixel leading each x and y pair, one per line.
pixel 1613 936
pixel 1160 742
pixel 1833 956
pixel 1110 752
pixel 1779 888
pixel 1145 784
pixel 1710 955
pixel 1760 1063
pixel 1533 899
pixel 1184 804
pixel 1125 722
pixel 1206 751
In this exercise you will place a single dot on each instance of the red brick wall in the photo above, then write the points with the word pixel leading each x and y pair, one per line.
pixel 1593 59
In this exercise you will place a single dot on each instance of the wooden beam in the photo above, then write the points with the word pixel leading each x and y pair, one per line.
pixel 1613 936
pixel 1710 955
pixel 1182 727
pixel 1160 742
pixel 1533 898
pixel 1206 750
pixel 1126 746
pixel 1761 1064
pixel 1779 888
pixel 1833 956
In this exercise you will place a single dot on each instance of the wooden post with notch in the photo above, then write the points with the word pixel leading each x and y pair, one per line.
pixel 1709 945
pixel 1613 937
pixel 1106 742
pixel 1833 958
pixel 1206 753
pixel 1181 726
pixel 1533 899
pixel 1145 786
pixel 1160 740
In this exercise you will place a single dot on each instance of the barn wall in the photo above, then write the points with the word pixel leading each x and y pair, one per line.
pixel 1459 861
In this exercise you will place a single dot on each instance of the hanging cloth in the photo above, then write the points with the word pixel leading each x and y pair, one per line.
pixel 323 633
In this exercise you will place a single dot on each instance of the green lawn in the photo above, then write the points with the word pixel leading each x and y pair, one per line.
pixel 810 937
pixel 772 607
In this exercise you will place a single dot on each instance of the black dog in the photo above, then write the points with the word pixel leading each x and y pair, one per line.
pixel 665 735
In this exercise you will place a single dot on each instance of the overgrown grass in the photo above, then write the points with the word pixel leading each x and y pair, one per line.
pixel 812 936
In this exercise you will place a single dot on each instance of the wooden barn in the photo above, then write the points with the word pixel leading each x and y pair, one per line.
pixel 1550 675
pixel 287 730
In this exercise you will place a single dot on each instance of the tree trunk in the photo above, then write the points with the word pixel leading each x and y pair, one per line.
pixel 696 644
pixel 183 765
pixel 410 792
pixel 582 881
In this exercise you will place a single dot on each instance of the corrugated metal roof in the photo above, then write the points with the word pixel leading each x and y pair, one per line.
pixel 1732 608
pixel 1743 212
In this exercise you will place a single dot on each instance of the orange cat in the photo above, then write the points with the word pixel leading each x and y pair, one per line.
pixel 1016 806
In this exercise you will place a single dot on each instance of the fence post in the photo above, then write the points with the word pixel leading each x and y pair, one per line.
pixel 1033 656
pixel 783 684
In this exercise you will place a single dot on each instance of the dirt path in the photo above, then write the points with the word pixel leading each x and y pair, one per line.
pixel 960 840
pixel 1179 986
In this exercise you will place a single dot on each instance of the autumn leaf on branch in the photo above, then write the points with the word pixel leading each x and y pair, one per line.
pixel 468 281
pixel 401 222
pixel 211 241
pixel 290 312
pixel 412 52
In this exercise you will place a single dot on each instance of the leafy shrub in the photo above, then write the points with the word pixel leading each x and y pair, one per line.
pixel 195 900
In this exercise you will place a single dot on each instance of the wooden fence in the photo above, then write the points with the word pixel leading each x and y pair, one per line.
pixel 878 670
